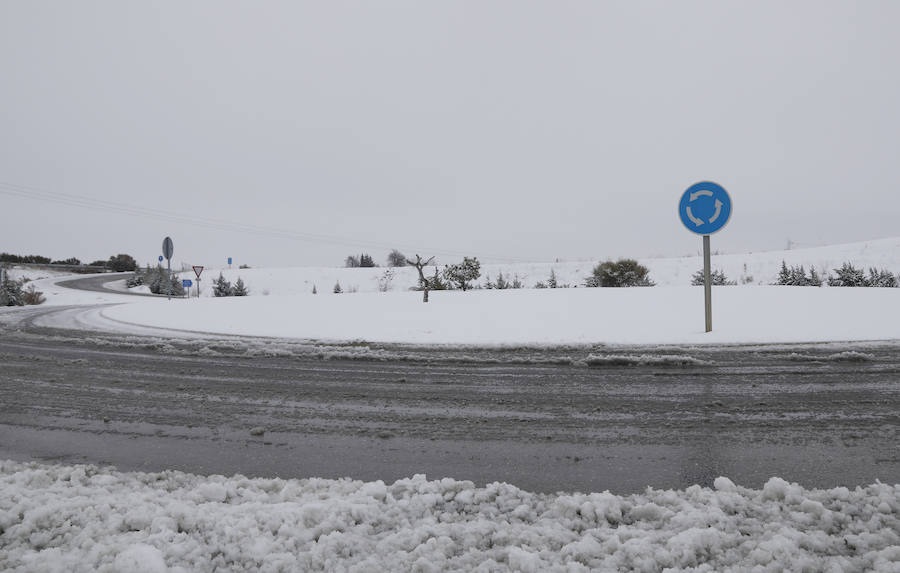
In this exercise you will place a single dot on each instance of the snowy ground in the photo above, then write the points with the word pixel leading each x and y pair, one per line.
pixel 81 518
pixel 660 315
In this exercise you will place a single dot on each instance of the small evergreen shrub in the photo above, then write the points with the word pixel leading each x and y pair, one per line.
pixel 240 289
pixel 716 278
pixel 222 287
pixel 847 276
pixel 11 293
pixel 881 278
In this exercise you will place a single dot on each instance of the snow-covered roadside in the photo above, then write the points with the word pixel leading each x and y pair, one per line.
pixel 659 315
pixel 83 518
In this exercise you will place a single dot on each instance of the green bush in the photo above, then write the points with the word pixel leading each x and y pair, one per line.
pixel 621 273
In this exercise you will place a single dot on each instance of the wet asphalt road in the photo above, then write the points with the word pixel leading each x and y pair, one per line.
pixel 542 419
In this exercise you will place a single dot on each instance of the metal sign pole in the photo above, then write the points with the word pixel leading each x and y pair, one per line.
pixel 707 283
pixel 168 251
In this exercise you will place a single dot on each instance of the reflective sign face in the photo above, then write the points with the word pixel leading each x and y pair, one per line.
pixel 705 208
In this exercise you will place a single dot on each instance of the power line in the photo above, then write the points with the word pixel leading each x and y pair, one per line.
pixel 116 207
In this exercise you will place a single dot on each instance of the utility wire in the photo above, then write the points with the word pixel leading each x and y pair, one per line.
pixel 34 193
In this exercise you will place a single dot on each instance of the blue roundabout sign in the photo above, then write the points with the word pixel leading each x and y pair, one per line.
pixel 705 207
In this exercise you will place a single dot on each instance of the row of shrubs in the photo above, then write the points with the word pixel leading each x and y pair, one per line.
pixel 222 287
pixel 846 276
pixel 158 279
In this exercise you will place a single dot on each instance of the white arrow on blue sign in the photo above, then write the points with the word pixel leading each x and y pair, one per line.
pixel 187 283
pixel 705 208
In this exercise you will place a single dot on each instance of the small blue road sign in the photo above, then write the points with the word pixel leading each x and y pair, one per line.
pixel 187 283
pixel 160 258
pixel 705 207
pixel 229 260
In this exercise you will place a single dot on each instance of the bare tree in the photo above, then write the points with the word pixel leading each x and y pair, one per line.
pixel 423 282
pixel 396 259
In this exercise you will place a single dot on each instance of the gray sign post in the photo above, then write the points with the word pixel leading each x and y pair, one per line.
pixel 168 251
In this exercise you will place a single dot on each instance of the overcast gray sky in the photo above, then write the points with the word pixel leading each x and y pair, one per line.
pixel 506 130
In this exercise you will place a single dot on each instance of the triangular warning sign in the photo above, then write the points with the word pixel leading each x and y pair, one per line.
pixel 197 271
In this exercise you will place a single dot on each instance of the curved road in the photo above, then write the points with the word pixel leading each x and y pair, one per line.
pixel 95 283
pixel 567 419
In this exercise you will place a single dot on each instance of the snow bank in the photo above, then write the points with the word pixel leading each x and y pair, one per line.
pixel 83 518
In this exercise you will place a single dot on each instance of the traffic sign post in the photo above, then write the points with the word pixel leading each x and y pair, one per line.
pixel 168 251
pixel 229 262
pixel 187 284
pixel 704 209
pixel 197 270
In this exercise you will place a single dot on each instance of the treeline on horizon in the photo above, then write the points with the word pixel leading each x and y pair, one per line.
pixel 117 263
pixel 40 260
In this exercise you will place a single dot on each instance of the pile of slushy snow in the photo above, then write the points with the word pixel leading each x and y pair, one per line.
pixel 82 518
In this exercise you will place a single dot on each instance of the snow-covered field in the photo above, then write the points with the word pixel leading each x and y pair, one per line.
pixel 57 518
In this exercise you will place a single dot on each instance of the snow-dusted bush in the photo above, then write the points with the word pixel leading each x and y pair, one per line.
pixel 337 288
pixel 796 276
pixel 240 289
pixel 385 280
pixel 716 278
pixel 11 293
pixel 33 296
pixel 621 273
pixel 222 287
pixel 881 278
pixel 137 279
pixel 847 276
pixel 463 274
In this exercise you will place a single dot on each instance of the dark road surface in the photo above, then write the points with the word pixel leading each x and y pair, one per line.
pixel 544 420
